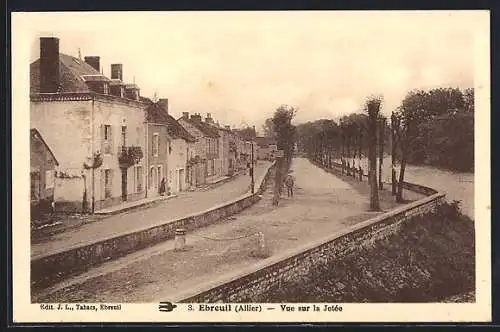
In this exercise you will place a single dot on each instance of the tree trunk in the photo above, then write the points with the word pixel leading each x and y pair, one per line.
pixel 277 181
pixel 394 182
pixel 381 153
pixel 393 164
pixel 399 195
pixel 372 171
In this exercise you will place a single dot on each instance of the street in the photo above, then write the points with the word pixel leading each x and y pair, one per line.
pixel 322 204
pixel 158 213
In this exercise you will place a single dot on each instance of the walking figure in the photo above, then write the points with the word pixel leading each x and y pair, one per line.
pixel 289 182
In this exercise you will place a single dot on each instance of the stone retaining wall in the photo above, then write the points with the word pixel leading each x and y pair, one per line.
pixel 250 284
pixel 49 269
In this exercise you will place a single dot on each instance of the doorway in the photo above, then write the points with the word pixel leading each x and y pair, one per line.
pixel 181 180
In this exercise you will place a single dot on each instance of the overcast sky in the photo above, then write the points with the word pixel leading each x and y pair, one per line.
pixel 240 66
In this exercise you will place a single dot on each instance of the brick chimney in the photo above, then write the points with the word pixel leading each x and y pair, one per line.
pixel 163 102
pixel 49 64
pixel 117 71
pixel 185 115
pixel 196 117
pixel 209 119
pixel 94 61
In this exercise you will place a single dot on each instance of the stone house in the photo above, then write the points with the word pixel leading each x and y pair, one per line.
pixel 43 165
pixel 174 149
pixel 157 148
pixel 89 121
pixel 206 151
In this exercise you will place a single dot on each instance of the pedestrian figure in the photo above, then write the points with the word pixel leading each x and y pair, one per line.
pixel 162 187
pixel 289 182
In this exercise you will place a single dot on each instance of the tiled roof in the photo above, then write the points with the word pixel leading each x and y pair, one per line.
pixel 265 141
pixel 206 129
pixel 247 134
pixel 157 114
pixel 116 82
pixel 34 133
pixel 71 70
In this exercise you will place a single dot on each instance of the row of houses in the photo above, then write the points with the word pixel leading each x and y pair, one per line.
pixel 96 142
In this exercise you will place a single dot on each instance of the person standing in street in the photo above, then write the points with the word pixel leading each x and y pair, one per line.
pixel 289 182
pixel 162 187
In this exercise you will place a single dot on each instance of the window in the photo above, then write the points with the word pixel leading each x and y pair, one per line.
pixel 49 179
pixel 124 135
pixel 107 139
pixel 156 144
pixel 106 89
pixel 138 178
pixel 35 185
pixel 107 132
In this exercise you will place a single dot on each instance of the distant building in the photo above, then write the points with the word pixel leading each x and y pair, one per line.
pixel 87 119
pixel 266 148
pixel 43 165
pixel 244 142
pixel 206 150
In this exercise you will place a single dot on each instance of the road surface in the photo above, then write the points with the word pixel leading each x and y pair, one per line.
pixel 322 205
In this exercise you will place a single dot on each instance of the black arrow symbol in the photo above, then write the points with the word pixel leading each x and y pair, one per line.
pixel 166 306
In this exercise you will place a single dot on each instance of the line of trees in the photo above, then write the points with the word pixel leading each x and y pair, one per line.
pixel 434 127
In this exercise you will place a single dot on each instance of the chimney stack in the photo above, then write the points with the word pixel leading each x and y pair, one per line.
pixel 163 102
pixel 185 115
pixel 94 61
pixel 196 117
pixel 117 71
pixel 209 119
pixel 49 64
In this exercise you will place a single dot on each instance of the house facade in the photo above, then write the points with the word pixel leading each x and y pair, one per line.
pixel 176 145
pixel 88 120
pixel 203 164
pixel 266 148
pixel 157 149
pixel 43 165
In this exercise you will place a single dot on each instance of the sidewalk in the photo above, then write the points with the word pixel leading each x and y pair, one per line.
pixel 157 213
pixel 130 205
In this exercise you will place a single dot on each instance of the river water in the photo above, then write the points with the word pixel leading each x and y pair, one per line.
pixel 457 186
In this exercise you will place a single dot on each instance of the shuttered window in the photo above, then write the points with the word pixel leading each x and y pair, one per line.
pixel 107 139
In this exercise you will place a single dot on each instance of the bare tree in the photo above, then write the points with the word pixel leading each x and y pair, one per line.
pixel 409 113
pixel 381 142
pixel 285 139
pixel 373 109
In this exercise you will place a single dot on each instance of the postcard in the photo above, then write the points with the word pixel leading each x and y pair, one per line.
pixel 251 166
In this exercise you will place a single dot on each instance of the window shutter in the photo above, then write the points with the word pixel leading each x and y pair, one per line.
pixel 102 182
pixel 111 141
pixel 102 139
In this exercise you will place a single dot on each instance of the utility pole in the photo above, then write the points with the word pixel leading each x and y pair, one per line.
pixel 251 173
pixel 93 190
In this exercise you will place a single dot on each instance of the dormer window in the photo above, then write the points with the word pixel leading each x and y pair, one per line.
pixel 97 83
